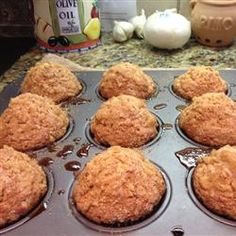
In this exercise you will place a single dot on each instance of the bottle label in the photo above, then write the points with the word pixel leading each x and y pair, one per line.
pixel 68 17
pixel 67 25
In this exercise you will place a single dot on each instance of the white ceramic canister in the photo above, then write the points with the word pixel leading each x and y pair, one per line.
pixel 67 25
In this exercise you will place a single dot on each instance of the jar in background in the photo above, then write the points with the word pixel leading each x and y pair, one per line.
pixel 214 21
pixel 67 25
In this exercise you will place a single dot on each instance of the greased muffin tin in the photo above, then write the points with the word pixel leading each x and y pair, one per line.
pixel 180 212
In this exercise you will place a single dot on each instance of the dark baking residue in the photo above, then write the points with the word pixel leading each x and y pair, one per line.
pixel 46 161
pixel 77 140
pixel 177 231
pixel 72 166
pixel 52 147
pixel 180 107
pixel 32 154
pixel 61 192
pixel 188 156
pixel 41 208
pixel 167 126
pixel 66 150
pixel 160 106
pixel 76 101
pixel 83 151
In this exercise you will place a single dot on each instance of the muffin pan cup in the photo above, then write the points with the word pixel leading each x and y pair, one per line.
pixel 171 89
pixel 180 212
pixel 39 208
pixel 201 206
pixel 93 141
pixel 127 226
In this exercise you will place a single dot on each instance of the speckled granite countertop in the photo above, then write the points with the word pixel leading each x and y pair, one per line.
pixel 135 51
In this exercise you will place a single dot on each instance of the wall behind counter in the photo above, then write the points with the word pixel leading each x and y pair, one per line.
pixel 150 6
pixel 16 17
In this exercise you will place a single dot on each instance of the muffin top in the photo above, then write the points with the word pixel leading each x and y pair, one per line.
pixel 22 184
pixel 125 121
pixel 197 81
pixel 214 181
pixel 120 179
pixel 210 120
pixel 51 80
pixel 126 78
pixel 31 121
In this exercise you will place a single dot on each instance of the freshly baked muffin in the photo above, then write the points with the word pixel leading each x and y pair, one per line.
pixel 210 120
pixel 31 121
pixel 197 81
pixel 51 80
pixel 22 185
pixel 214 181
pixel 118 185
pixel 126 78
pixel 124 121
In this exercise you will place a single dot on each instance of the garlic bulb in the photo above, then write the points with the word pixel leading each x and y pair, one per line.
pixel 167 29
pixel 122 31
pixel 138 22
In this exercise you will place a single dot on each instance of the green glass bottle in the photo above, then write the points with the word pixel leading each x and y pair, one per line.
pixel 68 20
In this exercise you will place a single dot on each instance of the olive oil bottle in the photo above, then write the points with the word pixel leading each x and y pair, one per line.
pixel 65 25
pixel 68 19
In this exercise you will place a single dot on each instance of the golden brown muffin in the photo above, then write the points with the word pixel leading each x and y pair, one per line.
pixel 22 184
pixel 31 122
pixel 214 181
pixel 51 80
pixel 210 120
pixel 118 185
pixel 197 81
pixel 124 121
pixel 126 78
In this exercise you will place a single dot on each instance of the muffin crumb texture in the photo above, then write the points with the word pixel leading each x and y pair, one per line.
pixel 22 185
pixel 214 181
pixel 118 185
pixel 31 121
pixel 197 81
pixel 210 120
pixel 124 121
pixel 126 78
pixel 51 80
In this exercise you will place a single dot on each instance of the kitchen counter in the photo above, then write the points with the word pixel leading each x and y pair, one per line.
pixel 135 51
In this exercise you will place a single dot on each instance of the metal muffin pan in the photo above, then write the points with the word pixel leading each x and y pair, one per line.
pixel 179 212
